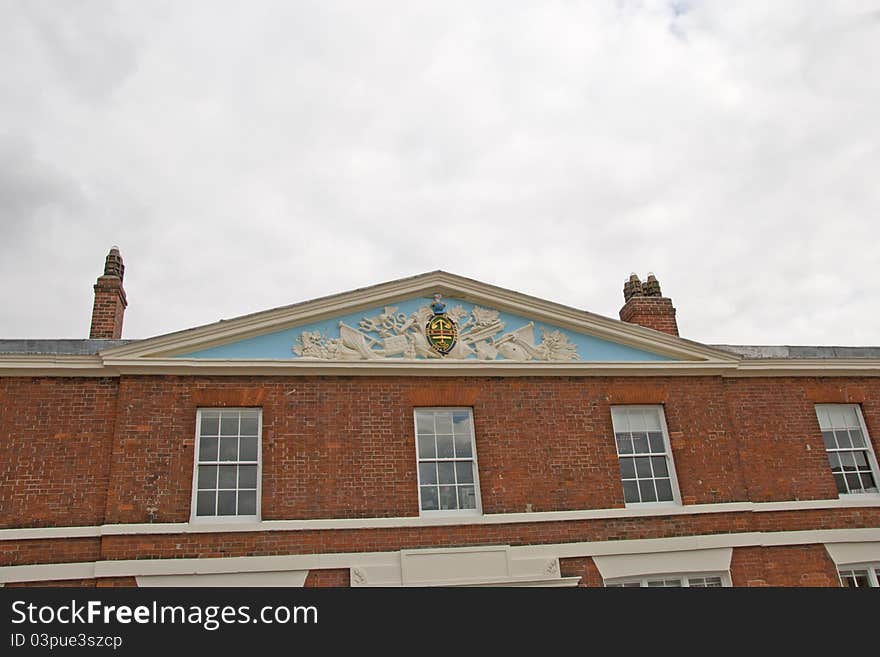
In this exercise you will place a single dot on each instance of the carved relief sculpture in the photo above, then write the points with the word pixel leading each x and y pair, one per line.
pixel 478 334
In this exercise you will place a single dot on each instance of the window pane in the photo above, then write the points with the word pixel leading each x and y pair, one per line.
pixel 861 460
pixel 428 473
pixel 868 483
pixel 643 467
pixel 840 483
pixel 210 425
pixel 852 480
pixel 446 472
pixel 447 497
pixel 828 438
pixel 624 443
pixel 467 497
pixel 637 420
pixel 855 578
pixel 834 462
pixel 444 447
pixel 843 438
pixel 247 476
pixel 207 476
pixel 463 446
pixel 858 440
pixel 443 422
pixel 646 489
pixel 656 441
pixel 248 449
pixel 631 491
pixel 429 498
pixel 464 473
pixel 424 423
pixel 427 450
pixel 461 424
pixel 627 468
pixel 847 461
pixel 229 449
pixel 208 449
pixel 849 416
pixel 640 443
pixel 664 490
pixel 205 503
pixel 659 463
pixel 229 425
pixel 247 502
pixel 248 428
pixel 227 476
pixel 226 503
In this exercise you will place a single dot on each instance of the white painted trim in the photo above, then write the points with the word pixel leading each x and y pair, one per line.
pixel 655 511
pixel 146 567
pixel 276 578
pixel 114 367
pixel 53 365
pixel 613 567
pixel 844 554
pixel 412 367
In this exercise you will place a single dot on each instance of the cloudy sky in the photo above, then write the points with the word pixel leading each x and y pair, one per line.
pixel 250 155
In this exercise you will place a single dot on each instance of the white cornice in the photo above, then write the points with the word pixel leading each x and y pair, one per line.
pixel 285 563
pixel 646 511
pixel 53 365
pixel 94 366
pixel 402 367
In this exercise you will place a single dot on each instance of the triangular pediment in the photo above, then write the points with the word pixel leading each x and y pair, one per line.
pixel 388 323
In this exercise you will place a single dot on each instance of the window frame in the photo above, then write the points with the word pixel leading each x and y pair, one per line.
pixel 434 513
pixel 257 517
pixel 869 448
pixel 670 460
pixel 684 578
pixel 872 568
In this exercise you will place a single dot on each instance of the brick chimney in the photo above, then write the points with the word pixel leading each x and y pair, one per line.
pixel 646 306
pixel 110 300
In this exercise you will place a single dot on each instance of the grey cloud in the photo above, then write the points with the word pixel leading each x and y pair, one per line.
pixel 30 189
pixel 249 156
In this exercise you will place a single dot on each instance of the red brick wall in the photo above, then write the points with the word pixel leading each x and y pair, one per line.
pixel 800 565
pixel 328 577
pixel 344 446
pixel 55 440
pixel 583 567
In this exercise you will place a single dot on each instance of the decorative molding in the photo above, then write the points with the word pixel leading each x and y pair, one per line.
pixel 652 511
pixel 475 292
pixel 18 365
pixel 478 333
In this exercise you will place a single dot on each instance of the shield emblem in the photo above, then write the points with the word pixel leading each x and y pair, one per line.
pixel 441 333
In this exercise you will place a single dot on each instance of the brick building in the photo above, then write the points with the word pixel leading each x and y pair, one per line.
pixel 435 430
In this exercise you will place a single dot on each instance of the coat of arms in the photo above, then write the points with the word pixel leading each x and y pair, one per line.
pixel 441 330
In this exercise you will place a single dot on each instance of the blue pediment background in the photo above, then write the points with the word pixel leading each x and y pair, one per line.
pixel 280 344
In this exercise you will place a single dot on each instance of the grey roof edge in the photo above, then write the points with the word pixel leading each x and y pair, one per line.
pixel 795 352
pixel 62 347
pixel 75 347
